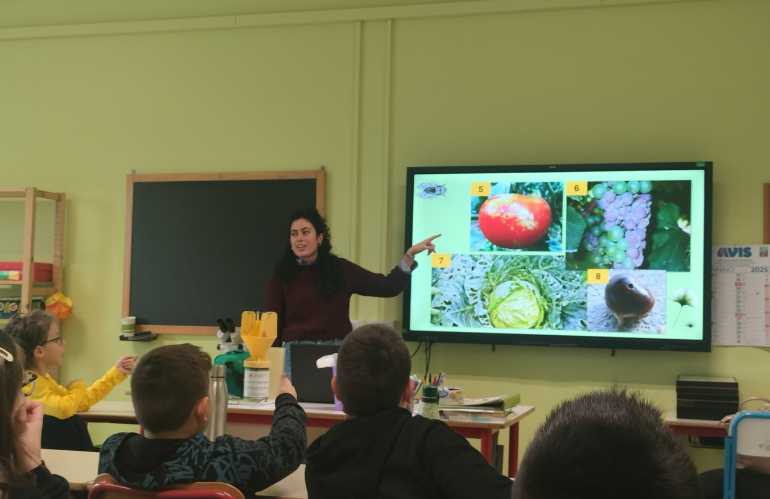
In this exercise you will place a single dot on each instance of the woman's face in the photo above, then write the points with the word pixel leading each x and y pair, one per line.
pixel 304 240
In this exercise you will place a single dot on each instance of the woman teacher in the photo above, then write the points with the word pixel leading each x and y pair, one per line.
pixel 311 287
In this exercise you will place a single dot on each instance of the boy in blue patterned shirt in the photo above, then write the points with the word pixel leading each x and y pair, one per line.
pixel 169 389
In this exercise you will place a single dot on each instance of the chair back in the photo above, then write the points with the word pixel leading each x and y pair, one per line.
pixel 748 435
pixel 105 487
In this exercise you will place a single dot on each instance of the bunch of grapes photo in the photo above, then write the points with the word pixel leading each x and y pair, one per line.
pixel 630 224
pixel 617 226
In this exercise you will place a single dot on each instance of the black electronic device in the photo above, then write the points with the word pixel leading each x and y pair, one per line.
pixel 709 398
pixel 312 384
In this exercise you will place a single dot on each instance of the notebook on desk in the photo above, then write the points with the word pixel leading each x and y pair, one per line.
pixel 312 384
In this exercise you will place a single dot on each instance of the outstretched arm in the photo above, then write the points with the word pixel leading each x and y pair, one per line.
pixel 425 244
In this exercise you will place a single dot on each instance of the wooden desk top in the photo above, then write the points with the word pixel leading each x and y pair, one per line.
pixel 77 467
pixel 108 411
pixel 321 411
pixel 696 427
pixel 123 412
pixel 671 420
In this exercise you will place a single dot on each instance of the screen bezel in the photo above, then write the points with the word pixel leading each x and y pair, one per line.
pixel 701 345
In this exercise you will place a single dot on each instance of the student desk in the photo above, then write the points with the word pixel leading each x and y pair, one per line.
pixel 324 416
pixel 110 412
pixel 694 427
pixel 77 467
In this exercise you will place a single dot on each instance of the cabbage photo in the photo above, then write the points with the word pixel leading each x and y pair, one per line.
pixel 508 292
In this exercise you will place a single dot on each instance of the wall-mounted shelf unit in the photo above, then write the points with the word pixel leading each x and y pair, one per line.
pixel 28 287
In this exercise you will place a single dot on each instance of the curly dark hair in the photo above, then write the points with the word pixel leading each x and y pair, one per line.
pixel 328 263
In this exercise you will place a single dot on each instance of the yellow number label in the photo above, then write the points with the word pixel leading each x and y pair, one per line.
pixel 481 188
pixel 579 188
pixel 441 260
pixel 597 276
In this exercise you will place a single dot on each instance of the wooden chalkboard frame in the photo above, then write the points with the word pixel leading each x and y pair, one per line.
pixel 320 182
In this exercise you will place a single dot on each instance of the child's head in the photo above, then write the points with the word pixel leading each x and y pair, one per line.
pixel 373 367
pixel 11 373
pixel 602 445
pixel 169 388
pixel 39 336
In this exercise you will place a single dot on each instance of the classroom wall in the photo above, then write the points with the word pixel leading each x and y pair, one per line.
pixel 367 92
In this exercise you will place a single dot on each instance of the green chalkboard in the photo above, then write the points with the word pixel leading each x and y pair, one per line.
pixel 201 247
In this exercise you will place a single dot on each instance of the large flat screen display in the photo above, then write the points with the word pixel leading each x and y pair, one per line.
pixel 600 255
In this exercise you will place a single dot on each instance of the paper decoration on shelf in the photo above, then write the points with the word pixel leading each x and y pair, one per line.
pixel 59 305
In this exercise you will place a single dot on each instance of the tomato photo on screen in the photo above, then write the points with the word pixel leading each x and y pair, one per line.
pixel 515 221
pixel 518 216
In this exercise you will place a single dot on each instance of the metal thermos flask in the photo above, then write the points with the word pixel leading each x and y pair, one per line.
pixel 217 403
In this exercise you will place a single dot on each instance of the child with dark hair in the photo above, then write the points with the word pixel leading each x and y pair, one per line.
pixel 169 389
pixel 606 445
pixel 22 471
pixel 382 450
pixel 40 336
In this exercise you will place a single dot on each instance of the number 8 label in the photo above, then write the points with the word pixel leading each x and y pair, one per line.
pixel 597 276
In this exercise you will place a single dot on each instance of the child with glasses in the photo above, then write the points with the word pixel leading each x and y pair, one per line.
pixel 40 337
pixel 22 471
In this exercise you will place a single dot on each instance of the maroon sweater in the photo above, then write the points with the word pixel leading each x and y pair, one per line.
pixel 303 314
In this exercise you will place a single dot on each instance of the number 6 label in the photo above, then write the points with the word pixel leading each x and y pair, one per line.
pixel 579 188
pixel 441 260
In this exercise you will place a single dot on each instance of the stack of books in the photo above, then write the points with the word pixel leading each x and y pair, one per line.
pixel 477 410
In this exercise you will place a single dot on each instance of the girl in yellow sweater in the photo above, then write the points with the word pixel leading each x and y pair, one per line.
pixel 39 335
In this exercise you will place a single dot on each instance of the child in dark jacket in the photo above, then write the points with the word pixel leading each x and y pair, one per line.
pixel 169 389
pixel 382 451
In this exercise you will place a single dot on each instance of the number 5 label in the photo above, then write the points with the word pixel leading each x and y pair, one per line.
pixel 481 188
pixel 441 260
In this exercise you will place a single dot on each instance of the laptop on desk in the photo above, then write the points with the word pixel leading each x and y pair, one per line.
pixel 312 384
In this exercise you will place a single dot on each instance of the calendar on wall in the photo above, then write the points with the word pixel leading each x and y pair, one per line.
pixel 740 307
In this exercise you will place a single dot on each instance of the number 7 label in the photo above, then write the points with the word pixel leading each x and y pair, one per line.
pixel 441 260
